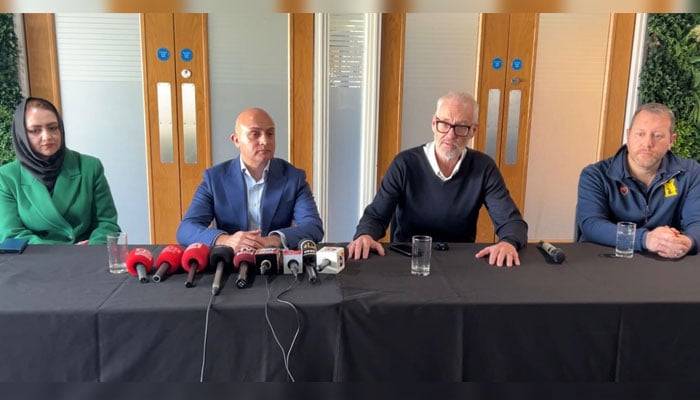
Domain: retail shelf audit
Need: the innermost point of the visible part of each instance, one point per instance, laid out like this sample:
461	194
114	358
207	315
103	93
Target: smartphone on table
401	248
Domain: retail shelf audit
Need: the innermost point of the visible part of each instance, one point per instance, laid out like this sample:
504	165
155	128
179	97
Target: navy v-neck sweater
447	211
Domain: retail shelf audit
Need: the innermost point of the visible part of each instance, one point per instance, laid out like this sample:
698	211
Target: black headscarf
44	170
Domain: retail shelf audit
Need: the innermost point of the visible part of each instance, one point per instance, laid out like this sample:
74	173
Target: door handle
189	122
165	122
492	113
513	131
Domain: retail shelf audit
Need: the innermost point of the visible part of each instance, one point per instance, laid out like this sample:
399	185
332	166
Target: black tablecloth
64	317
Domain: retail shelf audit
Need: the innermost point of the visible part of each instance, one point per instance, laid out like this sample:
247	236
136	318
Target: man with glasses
437	189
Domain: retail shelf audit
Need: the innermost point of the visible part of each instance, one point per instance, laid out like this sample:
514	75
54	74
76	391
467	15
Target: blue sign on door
186	54
163	54
517	64
497	63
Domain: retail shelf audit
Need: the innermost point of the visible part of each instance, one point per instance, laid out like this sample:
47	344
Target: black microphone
553	253
311	272
267	259
221	256
308	255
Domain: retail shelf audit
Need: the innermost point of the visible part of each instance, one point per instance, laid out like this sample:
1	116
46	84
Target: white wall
441	55
99	62
566	118
248	66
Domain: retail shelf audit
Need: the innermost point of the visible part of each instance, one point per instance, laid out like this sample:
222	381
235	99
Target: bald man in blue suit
255	200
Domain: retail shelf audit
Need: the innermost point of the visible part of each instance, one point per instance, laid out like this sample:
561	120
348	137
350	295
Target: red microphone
168	261
139	262
243	261
194	259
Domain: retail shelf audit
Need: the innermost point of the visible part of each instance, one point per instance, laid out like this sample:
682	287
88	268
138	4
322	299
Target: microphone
311	272
221	256
194	259
553	253
267	260
243	260
292	261
139	262
308	255
168	261
330	260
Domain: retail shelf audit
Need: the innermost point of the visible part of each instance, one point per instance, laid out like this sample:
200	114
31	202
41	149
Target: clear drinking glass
420	255
624	242
117	251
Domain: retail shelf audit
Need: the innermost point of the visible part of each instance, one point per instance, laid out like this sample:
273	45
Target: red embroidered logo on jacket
624	190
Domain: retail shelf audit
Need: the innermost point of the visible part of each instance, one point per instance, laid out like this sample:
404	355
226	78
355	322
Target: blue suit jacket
288	205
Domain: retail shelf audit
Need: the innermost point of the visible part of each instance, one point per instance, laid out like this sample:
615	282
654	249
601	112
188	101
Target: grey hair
658	109
459	97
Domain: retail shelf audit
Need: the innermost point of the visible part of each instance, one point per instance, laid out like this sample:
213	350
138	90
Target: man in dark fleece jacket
644	183
437	190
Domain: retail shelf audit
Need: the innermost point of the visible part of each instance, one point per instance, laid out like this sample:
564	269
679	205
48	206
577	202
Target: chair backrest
577	229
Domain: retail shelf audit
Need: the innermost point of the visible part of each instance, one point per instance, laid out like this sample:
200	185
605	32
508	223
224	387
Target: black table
63	317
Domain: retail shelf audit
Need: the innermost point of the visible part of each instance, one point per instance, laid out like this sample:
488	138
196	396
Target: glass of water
117	252
624	243
420	255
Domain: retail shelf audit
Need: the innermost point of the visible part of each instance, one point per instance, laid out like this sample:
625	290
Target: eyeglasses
460	130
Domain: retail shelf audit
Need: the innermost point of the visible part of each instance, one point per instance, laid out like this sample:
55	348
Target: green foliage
7	154
671	75
688	141
10	94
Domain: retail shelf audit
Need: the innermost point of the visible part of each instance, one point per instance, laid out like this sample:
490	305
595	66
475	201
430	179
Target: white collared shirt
254	192
429	150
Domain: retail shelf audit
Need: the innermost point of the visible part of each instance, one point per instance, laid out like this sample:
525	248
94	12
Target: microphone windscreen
221	253
139	256
555	254
246	255
171	254
198	253
558	256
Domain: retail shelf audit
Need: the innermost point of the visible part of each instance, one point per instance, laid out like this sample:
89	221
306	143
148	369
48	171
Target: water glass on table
421	247
624	241
117	252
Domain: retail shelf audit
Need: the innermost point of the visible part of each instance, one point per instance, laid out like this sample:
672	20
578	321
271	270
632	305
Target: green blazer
81	207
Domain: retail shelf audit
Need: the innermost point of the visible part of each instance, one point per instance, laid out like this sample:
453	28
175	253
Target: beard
646	161
450	153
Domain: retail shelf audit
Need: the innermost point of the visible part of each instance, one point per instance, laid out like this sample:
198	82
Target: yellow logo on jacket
670	188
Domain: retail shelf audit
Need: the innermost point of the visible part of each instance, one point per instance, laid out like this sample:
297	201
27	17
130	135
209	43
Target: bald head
253	117
254	136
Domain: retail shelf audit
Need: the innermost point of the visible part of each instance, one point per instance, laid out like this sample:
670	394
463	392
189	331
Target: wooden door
176	91
506	71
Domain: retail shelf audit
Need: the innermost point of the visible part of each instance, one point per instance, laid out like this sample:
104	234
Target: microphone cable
285	354
204	346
